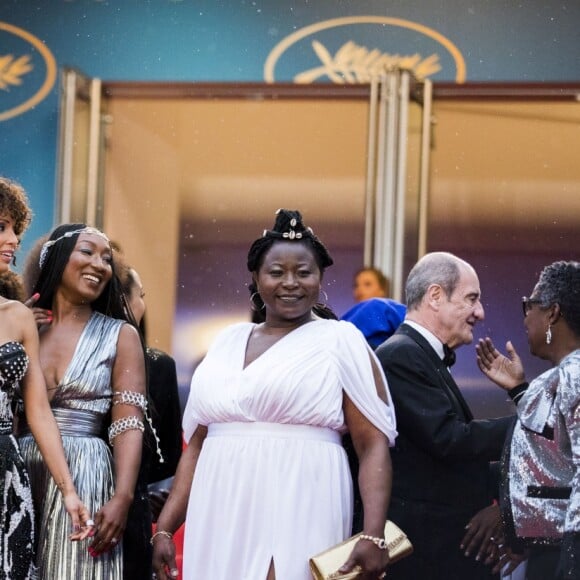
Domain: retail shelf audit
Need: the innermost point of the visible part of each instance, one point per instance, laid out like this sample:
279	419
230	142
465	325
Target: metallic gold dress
81	406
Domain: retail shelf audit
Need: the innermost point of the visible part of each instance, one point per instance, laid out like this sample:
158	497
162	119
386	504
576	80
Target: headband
86	230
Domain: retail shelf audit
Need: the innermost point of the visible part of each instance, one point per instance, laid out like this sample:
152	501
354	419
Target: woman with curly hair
20	369
540	497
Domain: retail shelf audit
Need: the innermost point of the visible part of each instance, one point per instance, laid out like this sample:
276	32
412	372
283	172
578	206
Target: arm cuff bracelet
124	424
130	398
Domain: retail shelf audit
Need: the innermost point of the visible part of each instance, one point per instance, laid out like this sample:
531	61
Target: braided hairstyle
288	226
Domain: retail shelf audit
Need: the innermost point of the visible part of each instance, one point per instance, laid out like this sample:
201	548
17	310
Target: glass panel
191	185
400	185
386	181
413	184
79	149
416	186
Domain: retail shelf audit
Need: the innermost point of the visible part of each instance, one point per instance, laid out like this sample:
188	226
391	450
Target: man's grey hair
440	268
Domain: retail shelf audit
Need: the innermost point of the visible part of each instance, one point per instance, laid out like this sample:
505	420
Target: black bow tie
448	356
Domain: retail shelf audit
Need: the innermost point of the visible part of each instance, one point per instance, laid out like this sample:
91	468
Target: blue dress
16	512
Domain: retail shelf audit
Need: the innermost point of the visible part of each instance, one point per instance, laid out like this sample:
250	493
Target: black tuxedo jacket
442	455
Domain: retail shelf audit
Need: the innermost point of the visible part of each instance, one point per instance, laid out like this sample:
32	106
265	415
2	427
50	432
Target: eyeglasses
527	304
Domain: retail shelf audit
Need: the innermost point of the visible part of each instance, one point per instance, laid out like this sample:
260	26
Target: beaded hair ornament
288	226
47	245
291	234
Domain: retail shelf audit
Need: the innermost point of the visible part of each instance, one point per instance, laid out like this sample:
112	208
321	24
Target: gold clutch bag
324	566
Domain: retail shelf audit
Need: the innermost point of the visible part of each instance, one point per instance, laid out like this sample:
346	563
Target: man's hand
482	529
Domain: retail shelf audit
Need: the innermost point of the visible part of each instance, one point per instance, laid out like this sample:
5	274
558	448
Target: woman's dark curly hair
288	226
14	203
559	283
12	287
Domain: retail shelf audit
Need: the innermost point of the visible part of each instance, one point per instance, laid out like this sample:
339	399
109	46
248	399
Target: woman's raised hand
41	315
505	371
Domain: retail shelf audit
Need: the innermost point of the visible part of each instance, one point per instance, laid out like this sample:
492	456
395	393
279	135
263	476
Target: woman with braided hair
264	479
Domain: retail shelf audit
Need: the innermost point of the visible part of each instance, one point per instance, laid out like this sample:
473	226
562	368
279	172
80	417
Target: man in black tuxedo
441	460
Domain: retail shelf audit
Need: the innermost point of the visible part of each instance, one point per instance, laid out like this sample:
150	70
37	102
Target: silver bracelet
130	398
124	424
168	535
378	542
140	401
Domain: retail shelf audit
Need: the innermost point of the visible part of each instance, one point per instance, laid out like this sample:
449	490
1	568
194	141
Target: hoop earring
549	334
325	297
253	304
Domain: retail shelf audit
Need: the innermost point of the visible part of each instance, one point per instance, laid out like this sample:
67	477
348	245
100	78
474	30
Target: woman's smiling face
288	282
8	242
89	267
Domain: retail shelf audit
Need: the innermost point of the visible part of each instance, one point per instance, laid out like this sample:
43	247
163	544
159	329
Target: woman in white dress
264	480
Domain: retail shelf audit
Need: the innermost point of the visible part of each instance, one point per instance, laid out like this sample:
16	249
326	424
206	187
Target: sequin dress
542	483
16	515
81	406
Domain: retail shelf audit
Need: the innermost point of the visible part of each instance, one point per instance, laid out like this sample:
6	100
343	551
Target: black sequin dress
16	515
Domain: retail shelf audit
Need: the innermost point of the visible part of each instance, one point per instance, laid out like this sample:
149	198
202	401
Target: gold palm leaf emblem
12	70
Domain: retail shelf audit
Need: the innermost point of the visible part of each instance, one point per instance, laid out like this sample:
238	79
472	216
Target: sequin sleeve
569	382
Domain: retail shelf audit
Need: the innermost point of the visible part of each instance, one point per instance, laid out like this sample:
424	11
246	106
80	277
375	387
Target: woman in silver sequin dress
19	366
93	365
541	464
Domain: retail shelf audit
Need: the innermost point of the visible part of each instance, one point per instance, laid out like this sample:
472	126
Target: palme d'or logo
13	69
354	63
18	77
357	64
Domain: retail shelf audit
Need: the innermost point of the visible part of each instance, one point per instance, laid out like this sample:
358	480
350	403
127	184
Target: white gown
272	481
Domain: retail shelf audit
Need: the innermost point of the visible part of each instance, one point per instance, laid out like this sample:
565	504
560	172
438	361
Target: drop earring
549	334
253	304
325	297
